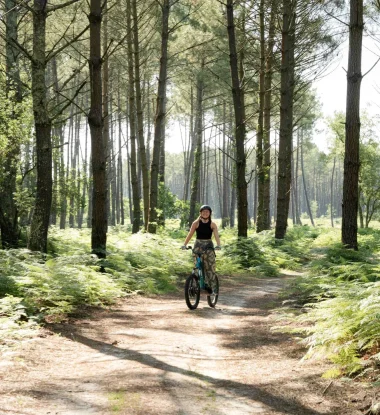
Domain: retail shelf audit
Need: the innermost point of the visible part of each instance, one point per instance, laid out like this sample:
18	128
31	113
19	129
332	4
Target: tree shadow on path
251	392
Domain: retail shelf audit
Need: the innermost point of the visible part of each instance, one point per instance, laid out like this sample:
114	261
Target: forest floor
151	355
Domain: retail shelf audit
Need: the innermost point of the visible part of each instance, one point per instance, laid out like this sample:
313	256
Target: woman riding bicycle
204	228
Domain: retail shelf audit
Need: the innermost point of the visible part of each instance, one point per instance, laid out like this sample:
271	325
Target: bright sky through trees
332	87
331	90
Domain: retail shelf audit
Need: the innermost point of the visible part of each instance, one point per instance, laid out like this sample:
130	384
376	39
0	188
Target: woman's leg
209	265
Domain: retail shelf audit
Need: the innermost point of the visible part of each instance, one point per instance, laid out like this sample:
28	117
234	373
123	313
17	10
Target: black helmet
205	207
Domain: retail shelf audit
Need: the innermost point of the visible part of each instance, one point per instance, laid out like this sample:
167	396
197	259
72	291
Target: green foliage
262	254
341	293
183	207
167	202
50	288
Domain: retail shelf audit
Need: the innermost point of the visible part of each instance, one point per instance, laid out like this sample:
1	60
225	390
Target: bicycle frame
199	266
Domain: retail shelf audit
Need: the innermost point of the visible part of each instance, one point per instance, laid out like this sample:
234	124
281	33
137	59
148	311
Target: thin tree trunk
225	215
332	195
296	193
351	156
159	123
112	166
132	127
140	118
192	142
305	186
240	131
198	151
267	116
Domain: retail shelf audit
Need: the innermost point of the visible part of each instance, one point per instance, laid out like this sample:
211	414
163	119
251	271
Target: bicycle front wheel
192	292
212	298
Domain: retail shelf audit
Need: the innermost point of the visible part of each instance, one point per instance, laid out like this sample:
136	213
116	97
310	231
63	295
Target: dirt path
154	356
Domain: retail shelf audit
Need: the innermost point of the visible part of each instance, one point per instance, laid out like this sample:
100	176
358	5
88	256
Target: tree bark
260	125
267	116
240	129
286	118
132	127
195	182
98	144
225	215
140	118
351	155
41	214
192	143
159	123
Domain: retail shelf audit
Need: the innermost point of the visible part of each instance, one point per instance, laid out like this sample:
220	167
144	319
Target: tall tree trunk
351	155
159	122
106	111
195	181
73	170
192	143
41	214
161	216
260	125
296	193
240	131
132	127
140	118
119	187
112	167
267	116
225	215
98	144
286	118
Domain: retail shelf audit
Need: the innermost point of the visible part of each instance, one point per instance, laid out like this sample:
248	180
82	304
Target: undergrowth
34	289
340	296
338	293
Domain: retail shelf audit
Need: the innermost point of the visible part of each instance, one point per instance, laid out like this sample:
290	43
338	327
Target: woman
204	228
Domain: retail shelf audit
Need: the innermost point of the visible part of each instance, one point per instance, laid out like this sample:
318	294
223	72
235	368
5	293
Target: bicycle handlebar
200	253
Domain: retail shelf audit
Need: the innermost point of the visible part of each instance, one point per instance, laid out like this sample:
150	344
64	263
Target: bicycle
196	282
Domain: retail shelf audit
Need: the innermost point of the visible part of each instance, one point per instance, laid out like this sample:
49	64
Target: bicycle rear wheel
212	299
192	292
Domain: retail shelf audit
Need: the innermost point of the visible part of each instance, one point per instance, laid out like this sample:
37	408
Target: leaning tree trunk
240	132
351	155
98	145
286	119
159	123
42	205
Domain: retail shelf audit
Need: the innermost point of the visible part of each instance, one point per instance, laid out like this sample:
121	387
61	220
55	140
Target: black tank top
204	230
